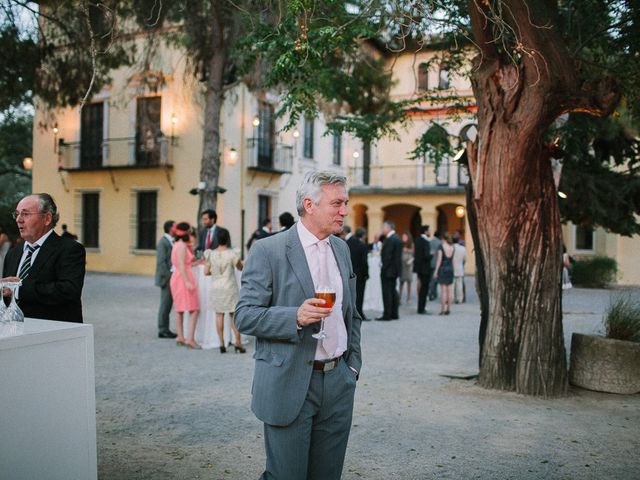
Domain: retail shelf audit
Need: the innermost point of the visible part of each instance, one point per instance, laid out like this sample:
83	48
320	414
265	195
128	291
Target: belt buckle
330	365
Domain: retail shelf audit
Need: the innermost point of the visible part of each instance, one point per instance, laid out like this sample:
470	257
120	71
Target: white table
47	401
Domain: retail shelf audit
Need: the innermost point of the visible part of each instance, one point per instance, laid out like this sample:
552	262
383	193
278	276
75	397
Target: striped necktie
26	266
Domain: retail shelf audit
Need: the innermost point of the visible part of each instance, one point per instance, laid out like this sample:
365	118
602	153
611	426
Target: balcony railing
265	156
414	175
115	153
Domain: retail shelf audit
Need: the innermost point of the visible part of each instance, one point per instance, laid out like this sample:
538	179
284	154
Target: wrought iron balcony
414	175
127	152
266	156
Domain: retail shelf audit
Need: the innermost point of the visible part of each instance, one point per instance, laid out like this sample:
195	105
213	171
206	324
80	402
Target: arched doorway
451	218
359	217
406	217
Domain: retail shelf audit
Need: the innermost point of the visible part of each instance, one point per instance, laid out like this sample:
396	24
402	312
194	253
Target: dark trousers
433	287
360	283
390	299
425	279
166	302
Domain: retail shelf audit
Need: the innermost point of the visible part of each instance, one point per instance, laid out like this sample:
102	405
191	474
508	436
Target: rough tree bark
224	33
519	93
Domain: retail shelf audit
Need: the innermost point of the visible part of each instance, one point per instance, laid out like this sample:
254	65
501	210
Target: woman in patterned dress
221	264
184	289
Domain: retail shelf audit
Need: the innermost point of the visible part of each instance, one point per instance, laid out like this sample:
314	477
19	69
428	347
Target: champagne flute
328	294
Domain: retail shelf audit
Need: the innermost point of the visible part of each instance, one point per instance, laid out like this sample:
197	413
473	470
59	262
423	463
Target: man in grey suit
163	275
303	387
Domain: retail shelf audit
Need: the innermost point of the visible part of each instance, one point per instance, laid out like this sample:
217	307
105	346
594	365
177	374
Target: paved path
165	412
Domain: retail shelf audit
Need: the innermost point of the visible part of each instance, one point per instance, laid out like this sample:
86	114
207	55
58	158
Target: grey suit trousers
166	302
313	447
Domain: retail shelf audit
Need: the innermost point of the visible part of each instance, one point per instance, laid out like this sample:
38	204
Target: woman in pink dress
183	285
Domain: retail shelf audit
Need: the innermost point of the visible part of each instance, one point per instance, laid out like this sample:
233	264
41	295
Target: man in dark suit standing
163	275
51	267
422	267
391	256
207	235
359	260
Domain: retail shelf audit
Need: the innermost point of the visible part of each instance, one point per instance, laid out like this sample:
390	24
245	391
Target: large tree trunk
521	247
210	165
519	92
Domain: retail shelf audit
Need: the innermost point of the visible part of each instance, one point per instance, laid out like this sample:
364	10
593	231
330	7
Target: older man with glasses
51	267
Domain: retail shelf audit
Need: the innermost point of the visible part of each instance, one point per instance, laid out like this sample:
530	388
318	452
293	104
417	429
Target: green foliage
19	59
15	181
56	51
594	272
435	144
622	318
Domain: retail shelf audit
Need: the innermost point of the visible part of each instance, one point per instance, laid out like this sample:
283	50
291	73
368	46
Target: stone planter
604	364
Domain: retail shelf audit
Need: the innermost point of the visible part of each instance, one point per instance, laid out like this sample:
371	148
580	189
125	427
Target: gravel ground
165	412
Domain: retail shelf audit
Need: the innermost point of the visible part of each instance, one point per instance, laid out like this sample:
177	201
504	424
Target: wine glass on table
3	307
328	294
13	312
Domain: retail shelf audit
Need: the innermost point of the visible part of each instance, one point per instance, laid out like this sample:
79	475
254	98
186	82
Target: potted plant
610	363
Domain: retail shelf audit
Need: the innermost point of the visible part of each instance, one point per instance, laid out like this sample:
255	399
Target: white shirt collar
306	237
392	232
41	240
168	237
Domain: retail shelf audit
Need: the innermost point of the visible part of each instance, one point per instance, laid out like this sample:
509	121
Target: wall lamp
232	156
55	138
27	163
202	186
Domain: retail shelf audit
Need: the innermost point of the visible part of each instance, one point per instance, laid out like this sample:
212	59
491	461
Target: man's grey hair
391	225
311	187
48	205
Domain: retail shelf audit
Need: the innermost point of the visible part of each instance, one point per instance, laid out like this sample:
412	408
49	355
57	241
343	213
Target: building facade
130	159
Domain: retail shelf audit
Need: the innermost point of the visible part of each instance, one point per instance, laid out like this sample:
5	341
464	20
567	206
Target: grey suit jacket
163	262
275	281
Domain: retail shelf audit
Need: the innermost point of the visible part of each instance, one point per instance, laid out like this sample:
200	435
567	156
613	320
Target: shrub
594	272
622	318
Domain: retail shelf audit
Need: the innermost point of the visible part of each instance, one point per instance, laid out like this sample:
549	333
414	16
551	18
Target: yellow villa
131	159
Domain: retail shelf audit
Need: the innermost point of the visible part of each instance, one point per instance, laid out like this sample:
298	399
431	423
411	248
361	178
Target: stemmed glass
13	312
3	307
328	294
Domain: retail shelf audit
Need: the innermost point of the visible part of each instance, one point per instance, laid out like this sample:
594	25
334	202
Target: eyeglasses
25	215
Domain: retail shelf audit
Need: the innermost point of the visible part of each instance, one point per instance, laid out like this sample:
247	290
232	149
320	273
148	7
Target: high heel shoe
239	349
447	312
223	349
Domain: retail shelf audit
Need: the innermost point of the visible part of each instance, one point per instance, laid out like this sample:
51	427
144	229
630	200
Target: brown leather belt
326	366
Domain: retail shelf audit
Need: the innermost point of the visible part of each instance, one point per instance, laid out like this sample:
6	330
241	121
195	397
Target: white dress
224	291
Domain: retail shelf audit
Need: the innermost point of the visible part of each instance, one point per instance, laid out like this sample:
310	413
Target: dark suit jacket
163	262
422	256
359	261
53	289
202	238
391	256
